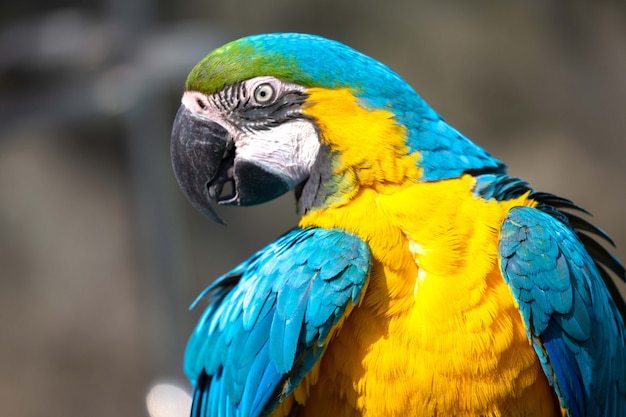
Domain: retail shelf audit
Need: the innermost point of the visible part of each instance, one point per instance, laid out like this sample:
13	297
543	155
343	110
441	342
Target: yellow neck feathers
367	144
438	331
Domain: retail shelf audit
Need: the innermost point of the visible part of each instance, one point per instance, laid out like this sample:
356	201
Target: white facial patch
199	104
290	148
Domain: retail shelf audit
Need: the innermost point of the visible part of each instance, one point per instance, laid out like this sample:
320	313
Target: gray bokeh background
101	255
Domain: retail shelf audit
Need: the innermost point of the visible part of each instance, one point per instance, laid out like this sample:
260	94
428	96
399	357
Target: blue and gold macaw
421	280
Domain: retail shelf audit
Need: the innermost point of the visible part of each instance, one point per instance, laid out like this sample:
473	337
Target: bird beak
204	158
200	150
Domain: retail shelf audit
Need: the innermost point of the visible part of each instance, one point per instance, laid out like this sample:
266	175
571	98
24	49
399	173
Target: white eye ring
264	93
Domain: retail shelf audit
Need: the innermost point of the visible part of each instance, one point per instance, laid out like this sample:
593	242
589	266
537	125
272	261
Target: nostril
201	103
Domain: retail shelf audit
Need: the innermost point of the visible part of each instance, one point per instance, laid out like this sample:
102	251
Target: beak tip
209	211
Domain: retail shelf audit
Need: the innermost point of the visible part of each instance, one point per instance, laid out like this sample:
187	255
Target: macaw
421	280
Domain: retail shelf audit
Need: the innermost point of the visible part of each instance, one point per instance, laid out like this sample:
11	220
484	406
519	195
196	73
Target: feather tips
266	321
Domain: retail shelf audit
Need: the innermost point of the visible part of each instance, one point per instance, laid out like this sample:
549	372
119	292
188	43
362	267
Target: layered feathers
412	236
270	319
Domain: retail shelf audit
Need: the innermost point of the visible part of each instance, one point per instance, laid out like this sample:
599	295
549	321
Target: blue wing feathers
564	370
266	384
284	334
268	319
577	322
574	324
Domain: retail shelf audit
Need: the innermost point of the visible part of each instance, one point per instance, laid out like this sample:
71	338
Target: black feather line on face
236	106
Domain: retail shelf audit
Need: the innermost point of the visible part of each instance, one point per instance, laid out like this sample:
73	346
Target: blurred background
100	254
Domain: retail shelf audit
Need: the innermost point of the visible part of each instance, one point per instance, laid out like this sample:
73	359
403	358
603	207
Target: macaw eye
264	93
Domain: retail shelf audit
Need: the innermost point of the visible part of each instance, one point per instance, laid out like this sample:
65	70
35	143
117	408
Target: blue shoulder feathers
571	319
269	319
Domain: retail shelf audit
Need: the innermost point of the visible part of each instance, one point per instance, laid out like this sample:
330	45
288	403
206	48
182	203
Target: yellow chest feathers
438	332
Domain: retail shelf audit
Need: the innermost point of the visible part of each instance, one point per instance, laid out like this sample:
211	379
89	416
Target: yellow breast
438	332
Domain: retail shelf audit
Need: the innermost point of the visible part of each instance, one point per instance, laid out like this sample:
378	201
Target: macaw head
268	114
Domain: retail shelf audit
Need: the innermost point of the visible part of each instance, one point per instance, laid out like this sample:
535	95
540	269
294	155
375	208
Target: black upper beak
203	157
197	149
